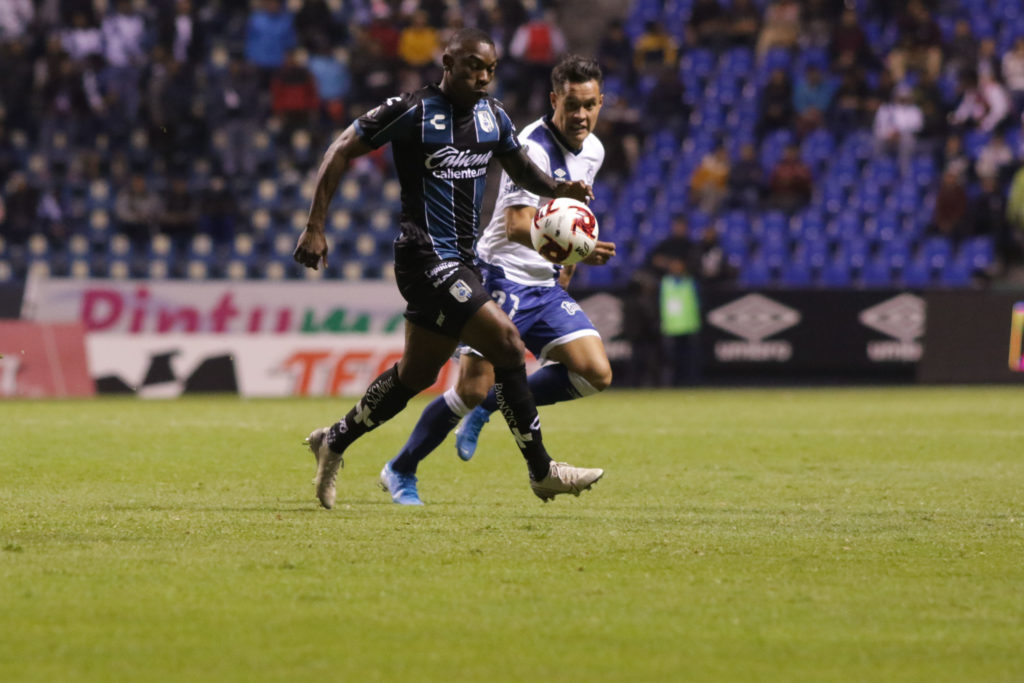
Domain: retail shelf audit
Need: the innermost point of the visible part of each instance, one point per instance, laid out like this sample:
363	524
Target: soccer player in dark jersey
442	138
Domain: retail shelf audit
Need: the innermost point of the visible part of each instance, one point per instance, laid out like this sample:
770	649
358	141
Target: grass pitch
770	535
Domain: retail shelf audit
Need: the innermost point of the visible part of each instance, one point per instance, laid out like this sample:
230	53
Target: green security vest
680	310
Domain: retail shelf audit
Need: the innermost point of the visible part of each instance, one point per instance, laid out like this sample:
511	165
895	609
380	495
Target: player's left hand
311	250
575	189
603	251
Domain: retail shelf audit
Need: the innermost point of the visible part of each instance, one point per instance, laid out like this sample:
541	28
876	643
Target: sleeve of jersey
507	141
390	121
512	194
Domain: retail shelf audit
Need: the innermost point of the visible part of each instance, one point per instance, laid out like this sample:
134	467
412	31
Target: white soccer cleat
564	478
327	464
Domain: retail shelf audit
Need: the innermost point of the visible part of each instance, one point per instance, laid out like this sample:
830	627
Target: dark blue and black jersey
441	154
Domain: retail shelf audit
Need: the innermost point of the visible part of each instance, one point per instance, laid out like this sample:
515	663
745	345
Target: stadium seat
876	273
755	273
917	274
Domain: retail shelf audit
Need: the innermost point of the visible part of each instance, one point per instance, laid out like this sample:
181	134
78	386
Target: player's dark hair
575	69
467	35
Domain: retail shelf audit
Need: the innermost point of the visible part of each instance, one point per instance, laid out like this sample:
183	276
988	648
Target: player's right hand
575	189
602	252
311	249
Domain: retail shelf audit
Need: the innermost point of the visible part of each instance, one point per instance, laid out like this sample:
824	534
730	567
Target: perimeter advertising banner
861	333
974	337
43	361
216	307
165	366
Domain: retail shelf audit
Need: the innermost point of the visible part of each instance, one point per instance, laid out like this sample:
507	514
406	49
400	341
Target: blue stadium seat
917	274
876	273
755	273
835	274
957	274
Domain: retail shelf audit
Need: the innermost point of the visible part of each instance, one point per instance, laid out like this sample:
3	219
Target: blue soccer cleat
402	487
468	432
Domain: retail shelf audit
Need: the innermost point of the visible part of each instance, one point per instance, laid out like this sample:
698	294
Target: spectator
82	39
987	215
708	183
293	95
849	45
137	210
743	23
16	17
706	27
373	76
180	33
776	103
790	183
988	61
819	19
269	36
22	208
961	53
654	50
954	157
680	310
950	208
332	82
850	101
180	217
615	53
995	159
382	30
218	211
666	108
418	45
233	105
621	123
984	104
1013	247
897	125
123	33
708	262
812	99
18	79
746	180
315	25
920	43
169	102
781	27
1013	74
536	45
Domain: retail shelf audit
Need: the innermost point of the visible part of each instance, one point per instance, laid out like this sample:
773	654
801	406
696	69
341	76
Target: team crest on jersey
461	291
571	307
486	120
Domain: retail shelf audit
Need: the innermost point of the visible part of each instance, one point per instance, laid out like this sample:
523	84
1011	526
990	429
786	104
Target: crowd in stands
165	118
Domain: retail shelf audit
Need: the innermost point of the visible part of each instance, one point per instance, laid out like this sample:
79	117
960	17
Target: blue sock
431	429
548	385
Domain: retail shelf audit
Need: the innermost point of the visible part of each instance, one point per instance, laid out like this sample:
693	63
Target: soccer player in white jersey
528	288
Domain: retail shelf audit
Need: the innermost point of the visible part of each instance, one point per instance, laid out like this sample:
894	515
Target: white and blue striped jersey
550	151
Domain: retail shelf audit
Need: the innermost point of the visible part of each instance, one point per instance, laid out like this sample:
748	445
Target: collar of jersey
436	88
549	123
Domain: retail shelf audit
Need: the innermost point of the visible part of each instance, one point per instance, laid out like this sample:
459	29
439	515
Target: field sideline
738	535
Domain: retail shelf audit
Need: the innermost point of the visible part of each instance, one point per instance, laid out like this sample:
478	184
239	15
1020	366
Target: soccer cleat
327	464
468	432
402	487
564	478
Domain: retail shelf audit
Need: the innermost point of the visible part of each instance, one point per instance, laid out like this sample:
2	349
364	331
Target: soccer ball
564	231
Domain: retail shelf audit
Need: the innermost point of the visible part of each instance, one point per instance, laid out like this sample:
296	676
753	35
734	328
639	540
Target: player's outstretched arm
311	249
527	175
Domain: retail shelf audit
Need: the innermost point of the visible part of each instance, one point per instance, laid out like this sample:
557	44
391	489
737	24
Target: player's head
469	62
576	97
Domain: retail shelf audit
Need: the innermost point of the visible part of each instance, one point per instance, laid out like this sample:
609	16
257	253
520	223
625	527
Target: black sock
515	403
384	398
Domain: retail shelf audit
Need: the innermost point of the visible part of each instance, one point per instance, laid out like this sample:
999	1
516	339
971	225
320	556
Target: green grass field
754	535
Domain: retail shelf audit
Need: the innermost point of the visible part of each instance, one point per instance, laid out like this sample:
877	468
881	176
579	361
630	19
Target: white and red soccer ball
564	231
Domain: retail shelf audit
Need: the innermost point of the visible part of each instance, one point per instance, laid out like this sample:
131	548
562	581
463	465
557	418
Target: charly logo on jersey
449	163
486	120
754	317
902	318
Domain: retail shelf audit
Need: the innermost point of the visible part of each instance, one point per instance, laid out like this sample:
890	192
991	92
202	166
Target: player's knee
508	350
416	378
473	390
598	376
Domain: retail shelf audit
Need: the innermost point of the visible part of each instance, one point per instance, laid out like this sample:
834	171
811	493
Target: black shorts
440	295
